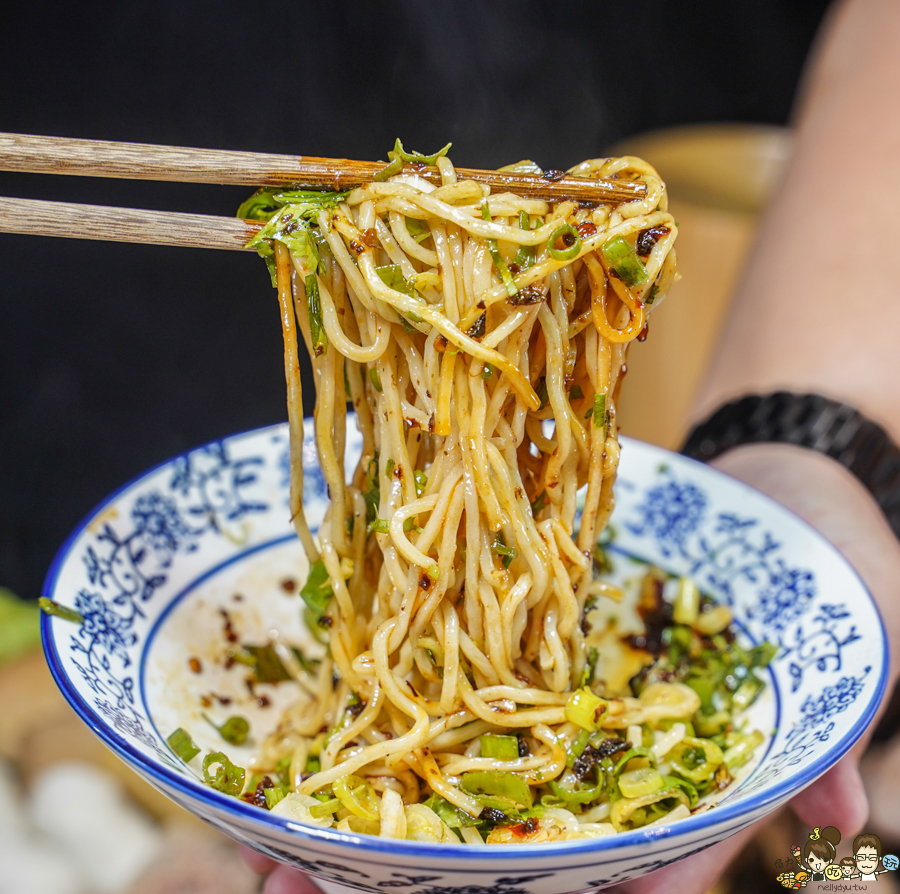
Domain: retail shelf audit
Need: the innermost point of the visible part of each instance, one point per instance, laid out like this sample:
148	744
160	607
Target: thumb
837	799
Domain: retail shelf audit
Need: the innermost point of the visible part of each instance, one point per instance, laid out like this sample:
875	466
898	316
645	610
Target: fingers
837	799
695	875
285	880
257	862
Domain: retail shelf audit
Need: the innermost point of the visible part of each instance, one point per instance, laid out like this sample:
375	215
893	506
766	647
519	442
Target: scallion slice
183	745
624	260
228	778
572	248
503	748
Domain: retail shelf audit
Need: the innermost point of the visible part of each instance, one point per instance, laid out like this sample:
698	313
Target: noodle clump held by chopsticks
480	339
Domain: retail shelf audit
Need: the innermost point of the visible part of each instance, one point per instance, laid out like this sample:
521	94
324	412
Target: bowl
204	543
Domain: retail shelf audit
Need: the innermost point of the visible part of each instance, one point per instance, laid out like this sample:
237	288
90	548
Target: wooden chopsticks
141	161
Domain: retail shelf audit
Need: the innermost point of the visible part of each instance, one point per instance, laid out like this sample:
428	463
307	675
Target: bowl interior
203	544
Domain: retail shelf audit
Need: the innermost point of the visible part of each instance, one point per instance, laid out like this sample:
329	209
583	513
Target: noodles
481	341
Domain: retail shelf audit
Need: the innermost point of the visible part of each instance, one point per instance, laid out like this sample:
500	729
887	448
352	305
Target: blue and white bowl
153	569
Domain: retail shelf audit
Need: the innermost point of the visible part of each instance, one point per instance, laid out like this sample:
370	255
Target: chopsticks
142	161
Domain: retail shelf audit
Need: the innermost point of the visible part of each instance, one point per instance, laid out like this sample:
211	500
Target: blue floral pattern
206	494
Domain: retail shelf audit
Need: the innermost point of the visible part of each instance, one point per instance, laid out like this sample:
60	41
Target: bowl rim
717	816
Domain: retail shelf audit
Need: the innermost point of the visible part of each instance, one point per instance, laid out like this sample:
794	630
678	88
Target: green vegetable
572	248
388	468
590	666
747	692
372	495
418	229
540	501
640	782
291	221
599	411
568	797
525	255
450	814
498	789
314	307
357	796
317	591
685	786
508	552
375	379
695	759
624	261
49	607
576	393
488	371
398	156
504	748
20	630
585	709
740	747
421	480
687	603
234	730
266	664
632	753
576	749
499	263
392	276
274	794
326	807
183	745
632	813
228	777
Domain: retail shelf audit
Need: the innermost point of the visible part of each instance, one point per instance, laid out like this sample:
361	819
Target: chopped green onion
525	255
687	603
274	794
578	795
388	468
585	709
540	501
624	261
504	748
326	807
452	816
640	752
313	764
640	782
685	786
417	229
488	371
740	748
599	411
572	248
631	813
590	666
183	745
266	664
314	306
576	393
357	796
508	552
234	730
499	263
421	480
417	157
392	276
494	787
395	166
379	526
317	592
49	607
228	777
695	759
576	749
375	379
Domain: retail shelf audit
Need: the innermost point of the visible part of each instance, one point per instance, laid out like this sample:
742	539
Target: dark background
114	357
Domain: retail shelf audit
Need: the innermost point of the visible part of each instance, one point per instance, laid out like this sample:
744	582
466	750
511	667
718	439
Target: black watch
812	421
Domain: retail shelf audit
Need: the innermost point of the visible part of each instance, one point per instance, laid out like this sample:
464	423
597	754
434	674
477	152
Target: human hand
834	502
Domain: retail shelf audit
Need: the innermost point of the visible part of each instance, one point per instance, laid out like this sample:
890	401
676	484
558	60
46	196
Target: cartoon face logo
867	859
833	872
816	863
